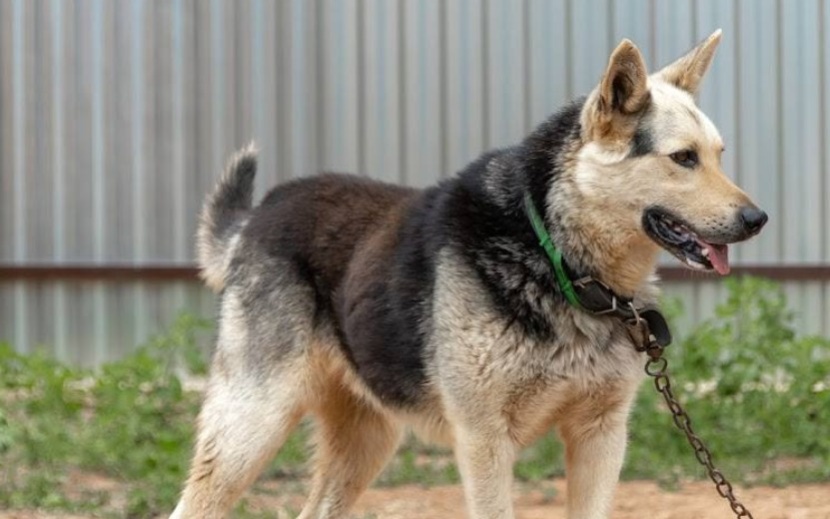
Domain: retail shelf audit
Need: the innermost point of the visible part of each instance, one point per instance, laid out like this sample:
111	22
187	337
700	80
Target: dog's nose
753	218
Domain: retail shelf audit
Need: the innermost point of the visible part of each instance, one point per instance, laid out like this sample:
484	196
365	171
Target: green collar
554	254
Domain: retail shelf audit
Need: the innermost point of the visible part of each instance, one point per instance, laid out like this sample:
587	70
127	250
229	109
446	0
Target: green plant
755	390
130	420
421	464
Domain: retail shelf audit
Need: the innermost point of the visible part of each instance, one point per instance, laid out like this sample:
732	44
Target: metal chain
657	368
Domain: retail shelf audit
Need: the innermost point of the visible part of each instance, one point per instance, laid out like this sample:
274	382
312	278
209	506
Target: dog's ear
687	72
623	88
613	108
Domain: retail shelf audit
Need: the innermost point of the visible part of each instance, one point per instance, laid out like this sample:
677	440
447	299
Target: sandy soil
635	500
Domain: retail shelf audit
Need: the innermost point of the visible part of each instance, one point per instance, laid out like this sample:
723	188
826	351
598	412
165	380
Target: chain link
657	367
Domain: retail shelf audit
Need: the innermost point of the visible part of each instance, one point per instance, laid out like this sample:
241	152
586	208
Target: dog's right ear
687	72
622	93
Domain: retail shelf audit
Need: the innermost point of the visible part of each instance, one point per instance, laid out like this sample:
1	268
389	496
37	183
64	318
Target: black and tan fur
377	308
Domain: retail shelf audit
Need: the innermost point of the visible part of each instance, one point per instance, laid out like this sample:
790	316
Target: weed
420	464
131	421
756	392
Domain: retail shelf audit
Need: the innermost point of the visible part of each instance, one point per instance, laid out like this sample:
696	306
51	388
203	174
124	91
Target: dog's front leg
485	459
593	466
594	434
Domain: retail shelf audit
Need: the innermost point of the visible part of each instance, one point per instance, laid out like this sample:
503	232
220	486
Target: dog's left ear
687	72
623	88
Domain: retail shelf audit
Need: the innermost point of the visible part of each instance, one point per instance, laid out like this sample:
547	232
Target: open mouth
677	237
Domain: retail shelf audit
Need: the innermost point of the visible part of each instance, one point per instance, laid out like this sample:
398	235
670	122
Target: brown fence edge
111	273
160	273
774	272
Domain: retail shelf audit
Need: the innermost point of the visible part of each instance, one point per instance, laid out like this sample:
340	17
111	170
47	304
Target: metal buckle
638	324
635	319
609	310
581	282
647	341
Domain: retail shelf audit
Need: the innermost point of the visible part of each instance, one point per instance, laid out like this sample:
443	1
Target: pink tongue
719	256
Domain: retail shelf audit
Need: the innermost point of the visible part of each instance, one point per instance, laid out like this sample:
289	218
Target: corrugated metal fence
116	116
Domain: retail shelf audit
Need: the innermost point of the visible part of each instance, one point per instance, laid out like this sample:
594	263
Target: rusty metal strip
774	272
167	272
88	272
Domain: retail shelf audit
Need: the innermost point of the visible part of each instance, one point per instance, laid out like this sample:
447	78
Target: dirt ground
634	500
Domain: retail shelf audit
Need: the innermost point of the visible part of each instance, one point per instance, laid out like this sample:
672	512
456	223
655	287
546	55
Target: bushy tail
224	210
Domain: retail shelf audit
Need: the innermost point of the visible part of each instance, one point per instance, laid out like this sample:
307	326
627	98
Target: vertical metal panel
686	295
80	212
39	183
589	43
632	20
465	84
547	50
718	96
506	75
824	52
340	86
674	31
801	129
264	91
421	95
7	177
757	105
137	30
381	106
21	27
218	66
119	335
700	297
159	188
116	117
706	297
183	141
120	141
18	110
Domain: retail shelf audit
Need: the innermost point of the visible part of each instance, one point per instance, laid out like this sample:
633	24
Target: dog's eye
686	158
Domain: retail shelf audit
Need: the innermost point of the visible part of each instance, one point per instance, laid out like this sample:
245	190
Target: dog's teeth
704	252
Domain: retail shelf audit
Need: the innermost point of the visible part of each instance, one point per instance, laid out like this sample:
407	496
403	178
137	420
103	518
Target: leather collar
591	295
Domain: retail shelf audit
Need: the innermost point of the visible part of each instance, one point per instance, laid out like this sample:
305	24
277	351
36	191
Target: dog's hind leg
354	441
257	393
240	429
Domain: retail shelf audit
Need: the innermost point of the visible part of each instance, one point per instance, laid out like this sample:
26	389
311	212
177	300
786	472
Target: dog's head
651	160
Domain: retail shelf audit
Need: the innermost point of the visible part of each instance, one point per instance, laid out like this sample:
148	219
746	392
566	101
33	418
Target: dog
377	308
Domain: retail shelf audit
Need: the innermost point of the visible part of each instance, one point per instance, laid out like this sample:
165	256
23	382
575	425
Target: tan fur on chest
572	407
590	366
469	334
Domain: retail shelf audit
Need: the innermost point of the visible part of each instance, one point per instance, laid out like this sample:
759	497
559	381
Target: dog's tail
222	216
